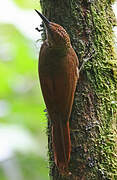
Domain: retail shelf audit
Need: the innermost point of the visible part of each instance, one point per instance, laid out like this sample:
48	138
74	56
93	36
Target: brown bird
58	74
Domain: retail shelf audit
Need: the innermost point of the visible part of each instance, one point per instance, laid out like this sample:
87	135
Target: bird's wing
58	90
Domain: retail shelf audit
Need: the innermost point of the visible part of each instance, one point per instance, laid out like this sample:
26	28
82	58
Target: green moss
94	112
104	70
101	71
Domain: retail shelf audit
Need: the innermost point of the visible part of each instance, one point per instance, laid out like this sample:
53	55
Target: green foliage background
19	87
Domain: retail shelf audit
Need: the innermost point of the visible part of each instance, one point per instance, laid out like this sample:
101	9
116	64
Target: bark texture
93	120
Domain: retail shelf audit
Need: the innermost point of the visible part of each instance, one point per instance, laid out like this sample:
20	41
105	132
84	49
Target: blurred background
23	140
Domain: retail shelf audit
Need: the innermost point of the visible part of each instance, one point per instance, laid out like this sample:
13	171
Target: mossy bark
93	120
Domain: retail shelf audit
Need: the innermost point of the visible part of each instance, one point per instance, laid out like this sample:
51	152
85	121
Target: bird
58	75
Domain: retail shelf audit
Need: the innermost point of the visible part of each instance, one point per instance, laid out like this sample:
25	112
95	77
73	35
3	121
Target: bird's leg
85	59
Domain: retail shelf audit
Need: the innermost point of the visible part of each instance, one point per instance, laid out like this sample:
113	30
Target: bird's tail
61	144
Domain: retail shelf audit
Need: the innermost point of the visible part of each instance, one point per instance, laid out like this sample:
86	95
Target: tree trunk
92	124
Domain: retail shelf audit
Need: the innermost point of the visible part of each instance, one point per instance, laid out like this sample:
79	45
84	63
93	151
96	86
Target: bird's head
56	34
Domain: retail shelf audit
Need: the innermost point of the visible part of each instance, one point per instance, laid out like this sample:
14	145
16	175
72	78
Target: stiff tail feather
61	144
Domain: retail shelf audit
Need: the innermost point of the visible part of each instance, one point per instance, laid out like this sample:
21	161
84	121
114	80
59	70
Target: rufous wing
58	88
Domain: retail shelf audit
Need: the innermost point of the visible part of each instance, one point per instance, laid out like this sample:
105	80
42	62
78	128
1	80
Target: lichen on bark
92	124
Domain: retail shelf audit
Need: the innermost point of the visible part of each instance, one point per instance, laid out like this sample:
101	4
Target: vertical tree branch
94	114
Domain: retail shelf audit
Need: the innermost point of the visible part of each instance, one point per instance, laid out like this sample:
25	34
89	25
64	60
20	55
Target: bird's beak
45	20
